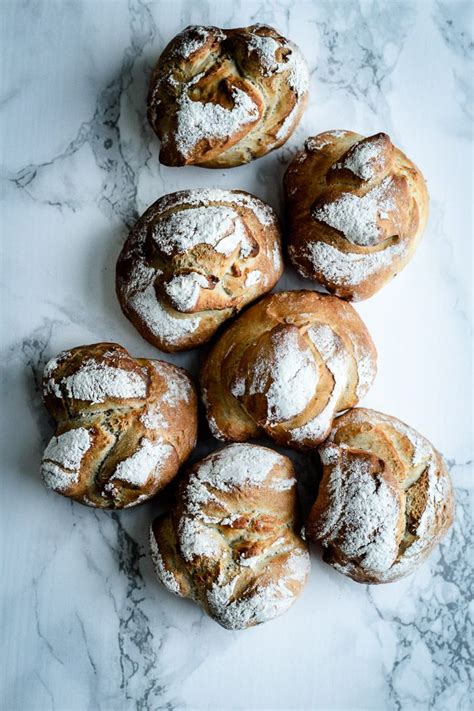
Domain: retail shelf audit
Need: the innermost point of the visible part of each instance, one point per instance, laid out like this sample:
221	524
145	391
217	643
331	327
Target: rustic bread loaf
286	367
356	210
123	425
385	498
219	98
194	259
230	542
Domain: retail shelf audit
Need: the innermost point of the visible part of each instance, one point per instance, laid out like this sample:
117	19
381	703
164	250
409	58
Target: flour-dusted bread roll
123	425
356	209
385	498
286	367
195	258
230	543
219	98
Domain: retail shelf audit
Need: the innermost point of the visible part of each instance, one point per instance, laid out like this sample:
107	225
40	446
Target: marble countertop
85	625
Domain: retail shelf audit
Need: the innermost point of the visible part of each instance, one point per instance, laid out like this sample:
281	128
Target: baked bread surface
195	258
285	368
123	425
219	98
385	498
356	209
230	541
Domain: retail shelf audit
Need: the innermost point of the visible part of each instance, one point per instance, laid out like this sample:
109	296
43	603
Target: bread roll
123	425
219	98
385	498
285	368
195	258
230	541
356	210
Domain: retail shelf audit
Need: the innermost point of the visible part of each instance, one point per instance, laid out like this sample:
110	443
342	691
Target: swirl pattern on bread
219	98
123	425
285	368
356	210
195	258
230	541
385	498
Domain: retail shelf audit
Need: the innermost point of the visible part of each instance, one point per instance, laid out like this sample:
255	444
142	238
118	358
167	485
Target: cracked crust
230	541
285	368
356	210
194	259
123	425
385	498
251	73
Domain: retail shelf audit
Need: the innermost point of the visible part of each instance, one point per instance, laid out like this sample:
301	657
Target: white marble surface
85	626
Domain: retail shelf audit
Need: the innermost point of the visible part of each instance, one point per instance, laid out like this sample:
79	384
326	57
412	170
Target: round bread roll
123	425
385	498
356	208
219	98
195	258
285	368
230	542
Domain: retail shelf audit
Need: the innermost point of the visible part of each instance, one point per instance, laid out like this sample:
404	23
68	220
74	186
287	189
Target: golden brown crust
195	258
385	498
285	368
230	541
356	210
219	98
123	425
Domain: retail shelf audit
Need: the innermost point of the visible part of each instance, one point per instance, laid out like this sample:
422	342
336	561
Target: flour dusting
145	462
362	514
197	121
349	268
357	216
96	382
219	226
183	290
292	373
364	159
165	576
333	354
62	458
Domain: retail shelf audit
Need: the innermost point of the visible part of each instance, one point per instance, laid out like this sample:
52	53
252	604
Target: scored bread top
285	368
219	98
123	425
195	258
230	542
385	498
356	210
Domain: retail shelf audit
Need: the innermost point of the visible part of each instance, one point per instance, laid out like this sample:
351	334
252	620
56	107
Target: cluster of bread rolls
292	367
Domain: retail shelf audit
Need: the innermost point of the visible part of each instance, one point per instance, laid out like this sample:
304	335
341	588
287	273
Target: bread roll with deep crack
285	368
123	425
356	210
194	259
220	98
385	499
230	542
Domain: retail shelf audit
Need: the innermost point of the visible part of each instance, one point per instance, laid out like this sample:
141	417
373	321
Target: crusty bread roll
195	258
219	98
230	542
286	367
123	425
356	211
385	498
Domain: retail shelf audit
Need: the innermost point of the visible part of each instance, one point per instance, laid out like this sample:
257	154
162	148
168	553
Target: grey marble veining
84	624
